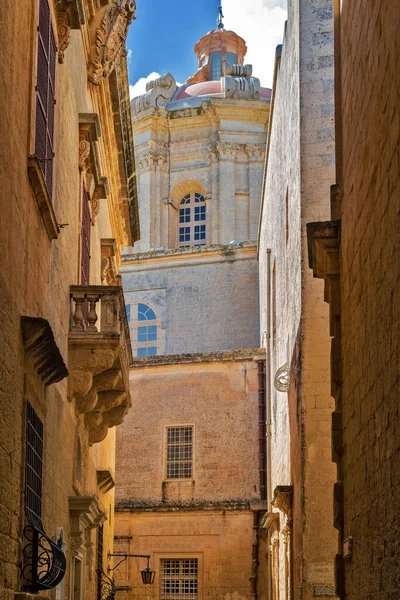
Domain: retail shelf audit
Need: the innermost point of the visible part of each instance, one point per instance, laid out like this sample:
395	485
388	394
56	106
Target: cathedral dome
210	88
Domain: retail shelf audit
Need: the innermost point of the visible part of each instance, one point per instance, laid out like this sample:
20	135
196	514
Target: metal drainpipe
268	412
262	477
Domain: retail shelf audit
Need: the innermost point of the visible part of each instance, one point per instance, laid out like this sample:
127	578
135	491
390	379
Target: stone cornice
207	506
159	259
200	357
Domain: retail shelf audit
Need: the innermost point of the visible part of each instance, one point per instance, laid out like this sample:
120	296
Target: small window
179	452
192	221
145	329
216	64
231	58
179	579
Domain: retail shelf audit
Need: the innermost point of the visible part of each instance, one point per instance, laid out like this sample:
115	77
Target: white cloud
139	87
260	23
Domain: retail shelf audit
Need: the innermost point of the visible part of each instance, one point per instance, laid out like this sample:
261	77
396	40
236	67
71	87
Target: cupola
217	47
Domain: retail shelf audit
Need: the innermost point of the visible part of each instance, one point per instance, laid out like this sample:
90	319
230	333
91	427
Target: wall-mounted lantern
148	575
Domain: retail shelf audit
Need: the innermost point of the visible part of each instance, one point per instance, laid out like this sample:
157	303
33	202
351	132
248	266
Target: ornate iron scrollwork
106	586
43	561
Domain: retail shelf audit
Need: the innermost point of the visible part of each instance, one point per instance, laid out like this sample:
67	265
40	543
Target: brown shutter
86	223
45	93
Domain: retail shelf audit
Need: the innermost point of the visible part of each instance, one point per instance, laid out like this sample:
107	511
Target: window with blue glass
231	58
147	331
128	312
192	221
216	66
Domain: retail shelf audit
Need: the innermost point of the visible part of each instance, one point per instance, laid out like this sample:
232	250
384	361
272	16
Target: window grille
33	466
192	221
179	579
45	93
179	452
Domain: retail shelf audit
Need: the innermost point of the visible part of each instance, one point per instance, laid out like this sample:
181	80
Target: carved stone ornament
282	378
108	33
147	163
84	153
255	152
227	151
158	93
64	35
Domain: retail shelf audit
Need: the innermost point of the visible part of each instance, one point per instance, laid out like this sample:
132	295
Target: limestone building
355	249
68	207
191	456
299	533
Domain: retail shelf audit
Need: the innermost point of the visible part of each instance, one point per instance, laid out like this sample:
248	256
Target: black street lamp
148	575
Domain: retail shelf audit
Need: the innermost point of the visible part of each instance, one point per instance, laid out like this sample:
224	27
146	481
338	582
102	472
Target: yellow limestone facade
298	528
68	206
190	477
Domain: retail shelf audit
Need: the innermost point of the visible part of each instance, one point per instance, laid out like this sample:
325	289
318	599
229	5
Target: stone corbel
282	499
105	480
271	522
84	153
227	151
108	31
64	35
109	269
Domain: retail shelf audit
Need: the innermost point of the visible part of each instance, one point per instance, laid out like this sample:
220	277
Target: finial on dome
220	17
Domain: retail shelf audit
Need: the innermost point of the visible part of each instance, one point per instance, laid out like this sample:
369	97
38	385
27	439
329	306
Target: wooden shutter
86	223
45	93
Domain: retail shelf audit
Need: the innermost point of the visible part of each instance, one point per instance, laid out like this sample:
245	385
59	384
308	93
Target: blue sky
162	37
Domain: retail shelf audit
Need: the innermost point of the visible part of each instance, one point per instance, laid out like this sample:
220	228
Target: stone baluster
92	315
110	314
77	317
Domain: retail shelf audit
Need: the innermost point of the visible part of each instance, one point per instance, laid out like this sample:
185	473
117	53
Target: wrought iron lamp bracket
124	557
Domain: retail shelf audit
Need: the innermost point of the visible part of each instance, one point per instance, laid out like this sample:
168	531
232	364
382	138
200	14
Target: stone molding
157	158
271	522
41	194
39	342
282	499
84	514
105	480
255	152
109	269
108	32
227	151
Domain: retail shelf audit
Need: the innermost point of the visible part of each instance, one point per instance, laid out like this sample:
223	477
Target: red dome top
209	88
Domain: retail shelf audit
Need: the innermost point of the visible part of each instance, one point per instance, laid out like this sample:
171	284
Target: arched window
144	329
192	221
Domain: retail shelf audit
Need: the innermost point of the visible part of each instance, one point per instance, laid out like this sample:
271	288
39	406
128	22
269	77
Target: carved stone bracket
147	163
271	522
84	153
227	151
109	269
282	499
108	32
40	343
255	152
64	34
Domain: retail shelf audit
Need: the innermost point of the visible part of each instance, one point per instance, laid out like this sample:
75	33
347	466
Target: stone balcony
99	357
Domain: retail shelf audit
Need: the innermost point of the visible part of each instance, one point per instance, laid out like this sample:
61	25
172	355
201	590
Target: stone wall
206	299
37	269
209	516
370	270
300	170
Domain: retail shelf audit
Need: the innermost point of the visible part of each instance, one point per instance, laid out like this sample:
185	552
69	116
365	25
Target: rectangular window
231	58
216	63
45	93
179	452
179	579
199	213
200	232
147	334
33	466
147	351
